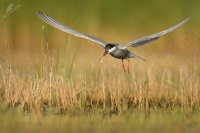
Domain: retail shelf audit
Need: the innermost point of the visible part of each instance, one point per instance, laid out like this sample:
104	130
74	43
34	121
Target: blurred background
115	21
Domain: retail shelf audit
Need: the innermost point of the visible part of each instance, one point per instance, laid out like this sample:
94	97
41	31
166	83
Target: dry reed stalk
182	90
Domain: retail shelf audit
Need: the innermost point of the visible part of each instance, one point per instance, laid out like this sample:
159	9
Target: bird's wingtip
39	12
189	18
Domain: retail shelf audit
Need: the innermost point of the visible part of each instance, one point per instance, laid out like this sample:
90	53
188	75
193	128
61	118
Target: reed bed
43	87
77	83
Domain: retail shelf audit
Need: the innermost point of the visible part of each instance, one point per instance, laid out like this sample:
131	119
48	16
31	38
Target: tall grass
49	90
76	83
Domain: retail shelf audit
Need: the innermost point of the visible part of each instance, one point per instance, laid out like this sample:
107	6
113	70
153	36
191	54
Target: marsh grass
73	92
81	86
58	89
68	90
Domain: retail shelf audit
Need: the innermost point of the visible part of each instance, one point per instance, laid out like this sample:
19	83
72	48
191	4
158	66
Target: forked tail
135	56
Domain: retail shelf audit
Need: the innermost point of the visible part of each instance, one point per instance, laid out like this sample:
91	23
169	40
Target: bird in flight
118	51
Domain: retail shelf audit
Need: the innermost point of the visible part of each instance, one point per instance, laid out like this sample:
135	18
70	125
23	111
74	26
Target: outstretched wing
147	39
49	20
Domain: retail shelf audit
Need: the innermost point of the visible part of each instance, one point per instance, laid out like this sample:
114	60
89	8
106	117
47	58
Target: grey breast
120	53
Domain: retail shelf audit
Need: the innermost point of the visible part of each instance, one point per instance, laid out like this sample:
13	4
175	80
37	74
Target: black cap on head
109	46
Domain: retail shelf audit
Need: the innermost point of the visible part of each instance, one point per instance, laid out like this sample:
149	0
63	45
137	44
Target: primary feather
49	20
147	39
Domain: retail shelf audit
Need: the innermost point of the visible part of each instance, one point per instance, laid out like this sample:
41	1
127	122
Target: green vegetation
52	82
135	122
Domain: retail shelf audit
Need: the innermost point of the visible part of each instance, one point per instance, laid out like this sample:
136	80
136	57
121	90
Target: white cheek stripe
112	49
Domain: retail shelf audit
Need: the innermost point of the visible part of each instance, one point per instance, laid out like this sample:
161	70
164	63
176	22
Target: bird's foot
123	67
128	69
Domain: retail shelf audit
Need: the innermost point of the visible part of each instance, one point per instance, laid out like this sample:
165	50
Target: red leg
128	66
123	66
